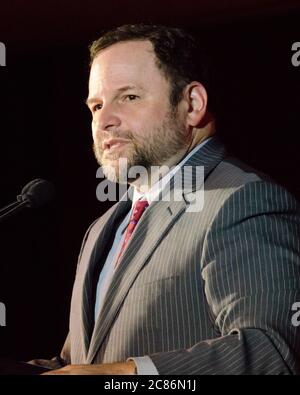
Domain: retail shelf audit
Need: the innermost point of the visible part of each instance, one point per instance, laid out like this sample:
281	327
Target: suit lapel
160	215
144	240
94	249
209	156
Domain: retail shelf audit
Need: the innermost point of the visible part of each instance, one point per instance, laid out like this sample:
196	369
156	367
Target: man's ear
195	97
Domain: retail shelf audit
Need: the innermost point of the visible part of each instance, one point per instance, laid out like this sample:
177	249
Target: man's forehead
125	62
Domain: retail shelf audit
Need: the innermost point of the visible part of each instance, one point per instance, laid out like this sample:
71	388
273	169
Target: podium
11	367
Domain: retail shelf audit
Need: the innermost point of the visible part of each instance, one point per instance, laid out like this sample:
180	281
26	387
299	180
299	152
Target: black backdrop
45	132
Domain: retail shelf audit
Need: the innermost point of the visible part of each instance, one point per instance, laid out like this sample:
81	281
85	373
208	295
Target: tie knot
138	209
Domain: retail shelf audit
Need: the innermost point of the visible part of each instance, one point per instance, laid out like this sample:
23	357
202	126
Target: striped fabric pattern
138	209
206	292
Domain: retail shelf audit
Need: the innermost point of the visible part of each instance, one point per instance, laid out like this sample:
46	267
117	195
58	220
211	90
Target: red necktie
138	209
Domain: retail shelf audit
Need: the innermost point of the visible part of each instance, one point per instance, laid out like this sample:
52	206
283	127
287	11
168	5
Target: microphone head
37	193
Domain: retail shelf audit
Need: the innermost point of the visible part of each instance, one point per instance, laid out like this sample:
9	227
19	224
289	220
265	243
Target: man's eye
131	97
97	107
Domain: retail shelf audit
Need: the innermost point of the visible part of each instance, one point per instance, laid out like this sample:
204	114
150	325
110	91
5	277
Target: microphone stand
12	208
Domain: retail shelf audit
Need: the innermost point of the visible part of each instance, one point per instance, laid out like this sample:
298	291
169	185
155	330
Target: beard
152	147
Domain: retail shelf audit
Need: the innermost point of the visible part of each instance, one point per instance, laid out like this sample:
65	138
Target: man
186	290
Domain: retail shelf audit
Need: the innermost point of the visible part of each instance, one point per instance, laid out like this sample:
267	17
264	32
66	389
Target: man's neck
144	184
157	172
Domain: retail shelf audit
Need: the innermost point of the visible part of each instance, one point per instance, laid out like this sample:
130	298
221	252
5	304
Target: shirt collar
155	190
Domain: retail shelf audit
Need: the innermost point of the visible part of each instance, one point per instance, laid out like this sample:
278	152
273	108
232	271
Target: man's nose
107	118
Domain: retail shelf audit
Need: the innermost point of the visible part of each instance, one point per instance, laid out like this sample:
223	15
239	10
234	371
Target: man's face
132	115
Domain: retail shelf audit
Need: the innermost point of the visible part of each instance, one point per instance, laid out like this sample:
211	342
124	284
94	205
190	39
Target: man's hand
118	368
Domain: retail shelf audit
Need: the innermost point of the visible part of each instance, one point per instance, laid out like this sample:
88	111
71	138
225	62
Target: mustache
116	134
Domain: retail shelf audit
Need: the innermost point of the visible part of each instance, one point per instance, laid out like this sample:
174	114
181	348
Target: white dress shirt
144	364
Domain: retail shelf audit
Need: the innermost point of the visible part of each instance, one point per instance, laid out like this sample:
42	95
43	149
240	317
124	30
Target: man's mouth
113	144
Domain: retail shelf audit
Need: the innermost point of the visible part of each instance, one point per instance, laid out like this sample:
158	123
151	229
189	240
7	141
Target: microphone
35	194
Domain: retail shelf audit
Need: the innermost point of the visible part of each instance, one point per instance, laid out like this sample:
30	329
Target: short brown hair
177	52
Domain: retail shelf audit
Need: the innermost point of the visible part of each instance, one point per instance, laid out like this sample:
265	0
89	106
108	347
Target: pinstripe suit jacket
206	292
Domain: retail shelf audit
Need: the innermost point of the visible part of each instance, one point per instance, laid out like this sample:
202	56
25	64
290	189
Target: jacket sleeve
251	269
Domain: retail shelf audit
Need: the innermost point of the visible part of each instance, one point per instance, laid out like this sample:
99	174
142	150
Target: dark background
45	131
